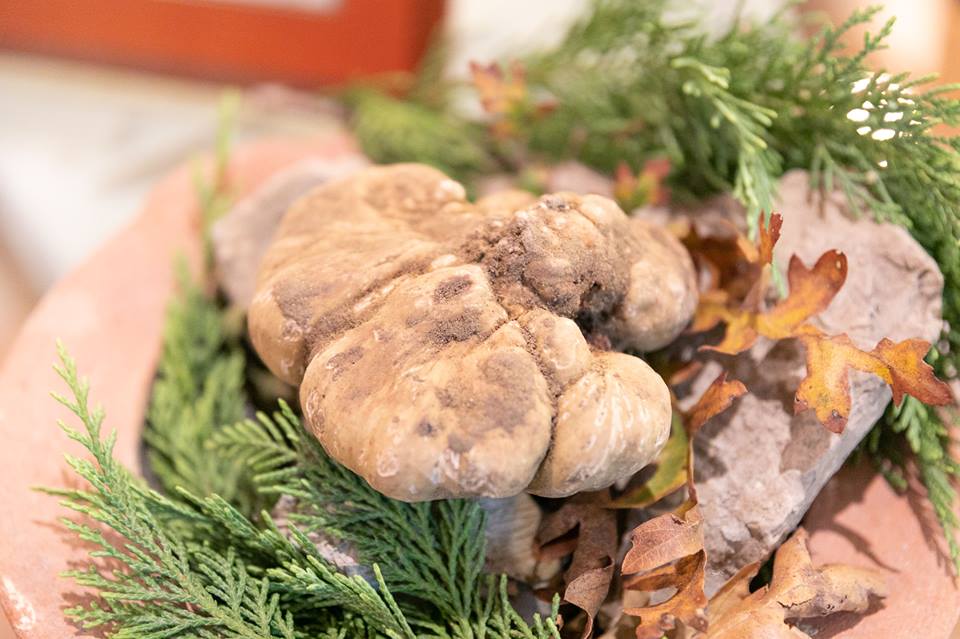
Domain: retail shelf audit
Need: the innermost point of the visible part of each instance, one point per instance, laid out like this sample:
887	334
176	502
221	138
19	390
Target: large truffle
443	348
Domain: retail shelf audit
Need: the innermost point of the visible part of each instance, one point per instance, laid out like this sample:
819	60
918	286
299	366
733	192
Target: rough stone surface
759	465
242	235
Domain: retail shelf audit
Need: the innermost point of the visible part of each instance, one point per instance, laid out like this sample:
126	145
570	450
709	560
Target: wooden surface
228	41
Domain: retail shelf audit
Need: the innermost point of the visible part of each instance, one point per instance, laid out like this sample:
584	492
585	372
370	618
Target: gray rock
759	465
338	552
242	235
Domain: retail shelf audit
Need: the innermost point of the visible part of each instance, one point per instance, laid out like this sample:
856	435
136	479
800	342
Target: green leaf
669	476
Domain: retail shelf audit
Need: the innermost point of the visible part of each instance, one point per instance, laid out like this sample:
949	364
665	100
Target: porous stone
759	465
242	235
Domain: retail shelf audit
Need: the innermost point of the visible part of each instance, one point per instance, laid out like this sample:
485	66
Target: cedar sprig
431	554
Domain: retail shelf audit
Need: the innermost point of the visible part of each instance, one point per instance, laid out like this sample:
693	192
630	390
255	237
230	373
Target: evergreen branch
199	387
391	130
157	585
431	554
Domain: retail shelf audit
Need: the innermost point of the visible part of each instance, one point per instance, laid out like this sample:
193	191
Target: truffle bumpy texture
449	349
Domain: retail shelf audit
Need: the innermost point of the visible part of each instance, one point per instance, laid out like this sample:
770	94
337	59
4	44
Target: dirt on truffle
390	294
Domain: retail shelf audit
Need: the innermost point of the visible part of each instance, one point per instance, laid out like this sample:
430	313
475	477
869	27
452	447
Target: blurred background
99	98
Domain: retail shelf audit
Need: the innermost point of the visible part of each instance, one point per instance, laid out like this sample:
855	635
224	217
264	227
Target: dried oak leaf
588	530
811	291
825	389
796	591
667	551
717	398
733	265
442	348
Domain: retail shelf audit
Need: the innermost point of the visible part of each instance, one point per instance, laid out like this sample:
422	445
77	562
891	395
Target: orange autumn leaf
767	238
716	399
826	388
910	374
713	308
811	291
761	252
499	95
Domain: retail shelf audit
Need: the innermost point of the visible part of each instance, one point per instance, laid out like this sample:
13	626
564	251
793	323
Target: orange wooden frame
227	41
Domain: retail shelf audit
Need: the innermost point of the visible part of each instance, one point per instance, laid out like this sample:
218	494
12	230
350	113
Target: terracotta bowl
109	314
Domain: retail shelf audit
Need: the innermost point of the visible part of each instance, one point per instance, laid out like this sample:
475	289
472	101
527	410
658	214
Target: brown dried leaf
767	238
761	251
733	592
909	373
662	540
716	399
797	591
825	389
592	529
667	552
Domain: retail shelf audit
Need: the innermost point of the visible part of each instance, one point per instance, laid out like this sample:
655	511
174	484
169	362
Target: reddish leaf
499	95
767	238
910	374
633	191
760	253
